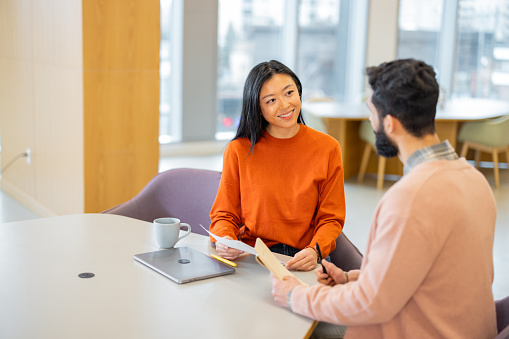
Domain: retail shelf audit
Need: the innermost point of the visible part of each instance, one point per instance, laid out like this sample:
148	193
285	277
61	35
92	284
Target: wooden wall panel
121	99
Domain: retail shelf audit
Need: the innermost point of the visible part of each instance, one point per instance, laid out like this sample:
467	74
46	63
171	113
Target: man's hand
304	260
228	252
334	275
280	288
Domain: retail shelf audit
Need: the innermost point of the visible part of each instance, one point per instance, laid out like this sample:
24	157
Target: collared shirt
441	151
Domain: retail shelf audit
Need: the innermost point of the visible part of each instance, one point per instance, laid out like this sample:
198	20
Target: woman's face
280	105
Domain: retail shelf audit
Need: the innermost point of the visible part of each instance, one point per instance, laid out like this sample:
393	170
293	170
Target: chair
346	256
502	307
184	193
188	194
489	136
368	136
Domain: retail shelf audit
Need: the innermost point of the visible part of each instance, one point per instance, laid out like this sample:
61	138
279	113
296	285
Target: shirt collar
440	151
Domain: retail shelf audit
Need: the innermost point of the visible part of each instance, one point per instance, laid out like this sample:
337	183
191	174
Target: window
309	36
312	37
467	41
248	34
318	48
166	127
481	69
419	25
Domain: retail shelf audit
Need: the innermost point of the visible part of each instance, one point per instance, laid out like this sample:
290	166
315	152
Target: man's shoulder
441	179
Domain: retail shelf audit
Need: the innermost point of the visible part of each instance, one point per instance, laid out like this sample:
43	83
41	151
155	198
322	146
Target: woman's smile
287	115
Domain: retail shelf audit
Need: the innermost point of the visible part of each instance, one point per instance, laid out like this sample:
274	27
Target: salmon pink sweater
287	191
428	267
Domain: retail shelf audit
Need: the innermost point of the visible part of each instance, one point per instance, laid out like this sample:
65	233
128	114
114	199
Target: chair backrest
183	193
346	256
492	132
502	307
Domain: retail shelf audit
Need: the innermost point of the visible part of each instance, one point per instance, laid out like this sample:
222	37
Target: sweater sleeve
225	214
331	209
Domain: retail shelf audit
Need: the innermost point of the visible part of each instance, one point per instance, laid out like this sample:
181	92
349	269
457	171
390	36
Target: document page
232	243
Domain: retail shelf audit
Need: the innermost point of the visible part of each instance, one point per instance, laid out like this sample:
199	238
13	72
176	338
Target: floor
361	200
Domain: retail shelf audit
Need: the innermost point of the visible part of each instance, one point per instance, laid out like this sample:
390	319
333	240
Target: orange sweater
287	191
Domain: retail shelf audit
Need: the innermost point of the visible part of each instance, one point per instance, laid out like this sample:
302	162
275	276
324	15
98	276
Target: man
428	268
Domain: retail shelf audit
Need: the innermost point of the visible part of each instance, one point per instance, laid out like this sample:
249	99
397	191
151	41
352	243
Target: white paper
232	243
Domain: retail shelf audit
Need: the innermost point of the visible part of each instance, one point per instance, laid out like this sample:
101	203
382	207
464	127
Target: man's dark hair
407	90
252	124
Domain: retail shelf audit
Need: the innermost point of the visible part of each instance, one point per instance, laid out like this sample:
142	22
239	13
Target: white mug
167	231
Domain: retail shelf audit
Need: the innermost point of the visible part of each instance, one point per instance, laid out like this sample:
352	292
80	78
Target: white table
342	122
41	295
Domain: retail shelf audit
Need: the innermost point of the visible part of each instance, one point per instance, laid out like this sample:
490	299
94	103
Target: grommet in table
184	261
86	275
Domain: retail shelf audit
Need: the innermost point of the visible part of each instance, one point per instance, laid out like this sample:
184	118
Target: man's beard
384	147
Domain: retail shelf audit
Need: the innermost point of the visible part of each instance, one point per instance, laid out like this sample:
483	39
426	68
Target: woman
282	181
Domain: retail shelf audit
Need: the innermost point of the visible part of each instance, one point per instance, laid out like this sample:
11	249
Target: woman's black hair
252	123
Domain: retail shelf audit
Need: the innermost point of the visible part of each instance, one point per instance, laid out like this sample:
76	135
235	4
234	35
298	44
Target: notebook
184	264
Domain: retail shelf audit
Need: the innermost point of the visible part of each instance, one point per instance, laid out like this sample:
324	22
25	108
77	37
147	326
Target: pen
320	258
223	260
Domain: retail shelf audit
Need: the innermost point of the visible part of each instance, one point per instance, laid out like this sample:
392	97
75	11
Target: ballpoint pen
223	260
320	258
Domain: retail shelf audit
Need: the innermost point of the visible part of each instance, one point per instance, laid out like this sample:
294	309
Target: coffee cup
167	231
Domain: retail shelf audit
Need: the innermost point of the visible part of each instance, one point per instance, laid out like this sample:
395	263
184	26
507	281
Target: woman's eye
289	93
271	100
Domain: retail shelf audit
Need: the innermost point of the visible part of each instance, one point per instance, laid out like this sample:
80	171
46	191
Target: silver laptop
184	264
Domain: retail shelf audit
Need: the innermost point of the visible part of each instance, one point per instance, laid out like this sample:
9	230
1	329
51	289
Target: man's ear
389	124
393	126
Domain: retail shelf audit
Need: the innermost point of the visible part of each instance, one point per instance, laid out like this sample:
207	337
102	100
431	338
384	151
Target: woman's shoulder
239	145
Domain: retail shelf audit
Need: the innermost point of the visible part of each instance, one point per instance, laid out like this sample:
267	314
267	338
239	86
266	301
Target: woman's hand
304	260
228	252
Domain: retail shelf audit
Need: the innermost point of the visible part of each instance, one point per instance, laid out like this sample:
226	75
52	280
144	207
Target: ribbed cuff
289	299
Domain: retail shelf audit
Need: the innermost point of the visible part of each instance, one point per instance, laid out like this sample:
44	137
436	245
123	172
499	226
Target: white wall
41	103
382	41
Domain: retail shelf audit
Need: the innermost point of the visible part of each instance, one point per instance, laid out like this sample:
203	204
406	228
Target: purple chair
188	194
502	307
183	193
346	255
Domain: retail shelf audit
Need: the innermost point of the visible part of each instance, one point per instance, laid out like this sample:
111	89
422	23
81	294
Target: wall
199	72
79	86
41	103
382	41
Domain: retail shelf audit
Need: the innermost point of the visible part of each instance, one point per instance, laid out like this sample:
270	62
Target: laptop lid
184	264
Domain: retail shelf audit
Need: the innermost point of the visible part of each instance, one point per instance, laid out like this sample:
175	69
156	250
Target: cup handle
188	231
